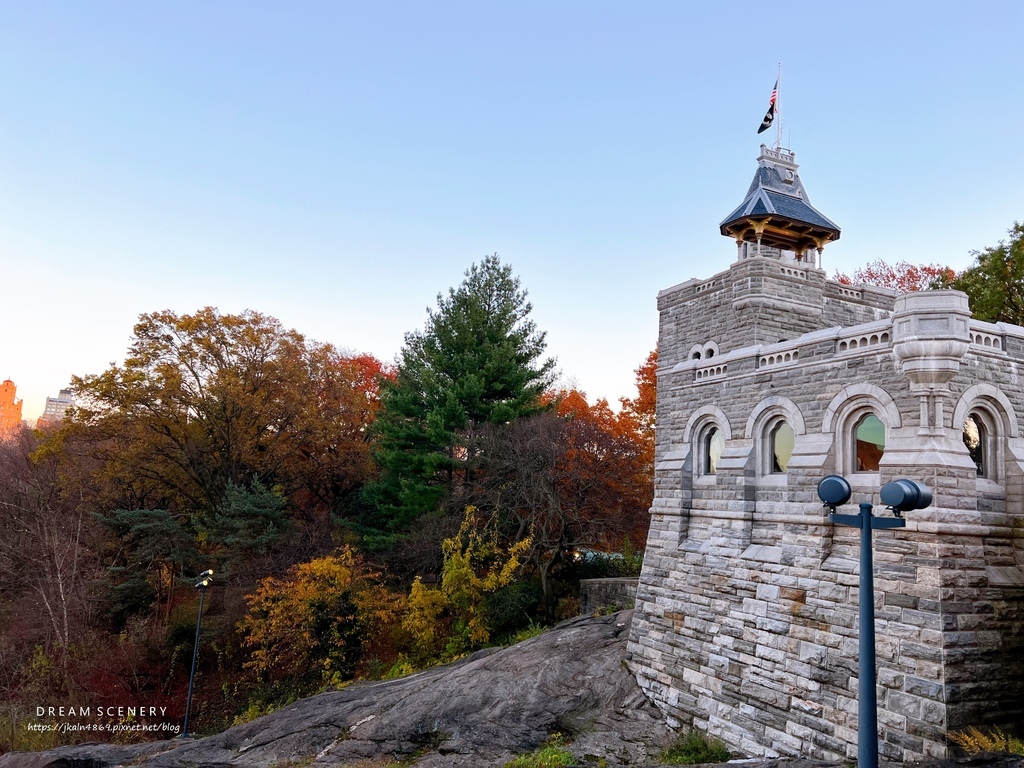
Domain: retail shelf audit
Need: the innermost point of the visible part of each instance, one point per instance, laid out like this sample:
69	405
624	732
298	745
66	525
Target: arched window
713	445
781	441
869	443
975	437
980	433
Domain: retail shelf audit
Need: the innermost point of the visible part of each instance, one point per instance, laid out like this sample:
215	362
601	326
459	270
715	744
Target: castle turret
771	377
777	214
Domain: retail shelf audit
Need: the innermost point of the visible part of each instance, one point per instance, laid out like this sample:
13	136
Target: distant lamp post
204	580
900	496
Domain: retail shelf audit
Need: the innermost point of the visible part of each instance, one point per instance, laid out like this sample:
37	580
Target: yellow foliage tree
316	624
475	566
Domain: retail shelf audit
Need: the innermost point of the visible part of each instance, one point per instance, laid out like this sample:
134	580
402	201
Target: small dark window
782	440
696	355
869	441
975	438
714	444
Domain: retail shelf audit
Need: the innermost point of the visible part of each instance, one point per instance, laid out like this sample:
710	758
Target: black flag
769	117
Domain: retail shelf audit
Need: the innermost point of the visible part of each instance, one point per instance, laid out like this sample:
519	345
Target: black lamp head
834	490
905	495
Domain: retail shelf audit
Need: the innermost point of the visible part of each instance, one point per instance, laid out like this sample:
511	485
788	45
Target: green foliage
975	740
153	549
477	361
551	755
694	748
249	521
511	608
995	282
527	633
400	668
257	708
15	736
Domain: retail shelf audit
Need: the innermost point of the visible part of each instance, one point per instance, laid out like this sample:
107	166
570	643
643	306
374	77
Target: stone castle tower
771	377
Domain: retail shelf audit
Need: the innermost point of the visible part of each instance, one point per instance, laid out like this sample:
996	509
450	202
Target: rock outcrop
476	713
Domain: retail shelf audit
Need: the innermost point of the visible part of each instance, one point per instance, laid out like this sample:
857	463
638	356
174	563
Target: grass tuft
551	755
694	748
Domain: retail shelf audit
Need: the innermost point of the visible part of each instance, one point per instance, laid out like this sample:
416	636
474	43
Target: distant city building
56	407
10	409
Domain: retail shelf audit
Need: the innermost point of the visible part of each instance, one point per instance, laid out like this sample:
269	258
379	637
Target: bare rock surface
476	713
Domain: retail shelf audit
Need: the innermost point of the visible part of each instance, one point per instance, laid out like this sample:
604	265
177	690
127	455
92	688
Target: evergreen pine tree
477	361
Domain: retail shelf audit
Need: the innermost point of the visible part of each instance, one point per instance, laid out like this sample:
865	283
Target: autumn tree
478	361
637	416
902	277
574	477
330	458
312	627
995	282
452	618
47	555
210	405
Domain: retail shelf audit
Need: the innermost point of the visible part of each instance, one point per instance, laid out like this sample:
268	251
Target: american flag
769	117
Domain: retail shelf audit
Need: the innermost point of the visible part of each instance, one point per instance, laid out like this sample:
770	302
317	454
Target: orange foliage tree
637	415
576	476
902	277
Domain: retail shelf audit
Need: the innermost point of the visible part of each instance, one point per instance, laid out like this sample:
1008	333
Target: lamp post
900	496
205	579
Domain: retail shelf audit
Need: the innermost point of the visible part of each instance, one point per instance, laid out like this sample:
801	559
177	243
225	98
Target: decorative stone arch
995	421
698	429
856	396
703	415
766	417
696	352
771	407
847	408
711	349
993	399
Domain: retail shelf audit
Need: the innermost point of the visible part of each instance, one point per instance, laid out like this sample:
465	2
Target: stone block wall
746	621
611	594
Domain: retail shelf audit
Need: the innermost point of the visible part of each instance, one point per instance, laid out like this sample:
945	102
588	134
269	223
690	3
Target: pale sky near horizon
338	164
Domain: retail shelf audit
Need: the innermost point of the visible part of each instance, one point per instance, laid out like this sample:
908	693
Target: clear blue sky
338	164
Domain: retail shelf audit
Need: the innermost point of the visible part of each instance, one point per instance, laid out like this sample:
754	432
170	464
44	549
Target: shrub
454	617
694	748
975	740
313	626
510	608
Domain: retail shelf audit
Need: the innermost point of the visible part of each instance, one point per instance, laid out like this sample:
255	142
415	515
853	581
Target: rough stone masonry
771	377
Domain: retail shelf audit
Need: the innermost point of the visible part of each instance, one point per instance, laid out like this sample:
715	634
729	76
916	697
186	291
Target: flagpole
778	110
